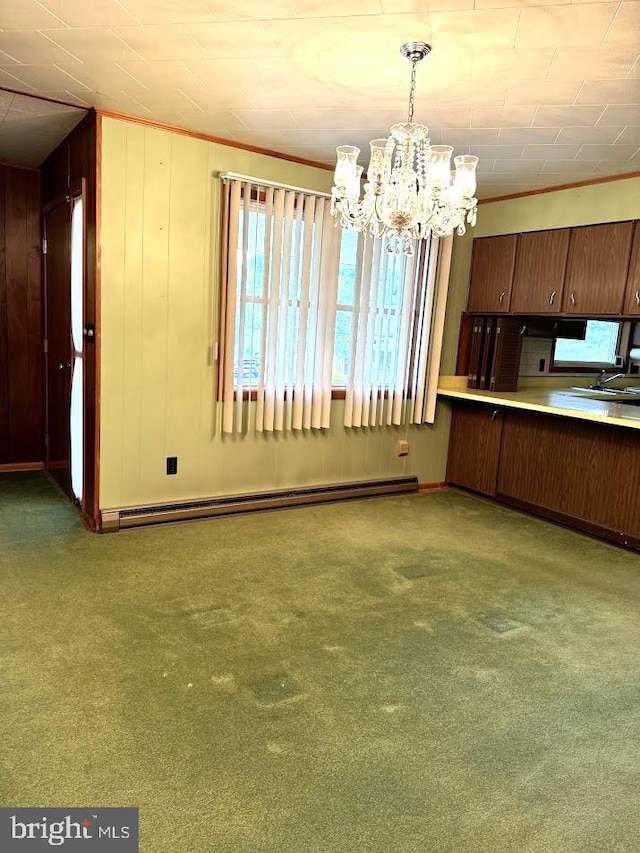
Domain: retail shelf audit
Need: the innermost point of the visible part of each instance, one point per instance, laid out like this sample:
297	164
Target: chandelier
410	189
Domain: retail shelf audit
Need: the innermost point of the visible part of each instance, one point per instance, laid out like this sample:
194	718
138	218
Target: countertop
565	401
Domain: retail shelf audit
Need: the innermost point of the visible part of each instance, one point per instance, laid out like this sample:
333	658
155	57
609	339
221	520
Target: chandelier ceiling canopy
410	190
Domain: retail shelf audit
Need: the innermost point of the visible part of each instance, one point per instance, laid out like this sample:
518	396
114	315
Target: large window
598	349
310	312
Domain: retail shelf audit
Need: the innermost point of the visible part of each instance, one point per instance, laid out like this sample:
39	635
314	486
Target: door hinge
45	245
46	439
45	345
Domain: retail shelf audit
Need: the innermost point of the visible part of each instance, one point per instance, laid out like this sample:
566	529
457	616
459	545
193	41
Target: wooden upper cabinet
632	298
492	267
538	279
597	268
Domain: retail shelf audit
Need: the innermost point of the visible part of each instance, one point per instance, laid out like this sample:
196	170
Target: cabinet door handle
502	296
495	414
637	297
573	298
552	297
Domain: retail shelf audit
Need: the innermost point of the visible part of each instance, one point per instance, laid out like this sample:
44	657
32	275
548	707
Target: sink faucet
603	379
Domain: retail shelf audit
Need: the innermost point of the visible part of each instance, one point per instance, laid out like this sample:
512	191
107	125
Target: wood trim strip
616	536
215	139
558	187
9	467
98	321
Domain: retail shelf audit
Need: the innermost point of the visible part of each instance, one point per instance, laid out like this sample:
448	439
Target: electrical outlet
172	464
402	447
541	365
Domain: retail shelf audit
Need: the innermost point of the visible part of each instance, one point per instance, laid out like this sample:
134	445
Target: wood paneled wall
21	319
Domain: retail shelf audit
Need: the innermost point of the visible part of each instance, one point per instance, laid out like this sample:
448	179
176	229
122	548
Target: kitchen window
598	350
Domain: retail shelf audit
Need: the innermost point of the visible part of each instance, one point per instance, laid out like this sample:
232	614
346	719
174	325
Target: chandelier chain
412	91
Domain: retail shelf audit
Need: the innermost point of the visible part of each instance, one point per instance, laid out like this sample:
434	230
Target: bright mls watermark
82	830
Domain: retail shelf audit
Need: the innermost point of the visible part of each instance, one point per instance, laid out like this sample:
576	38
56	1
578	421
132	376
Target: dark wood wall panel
21	330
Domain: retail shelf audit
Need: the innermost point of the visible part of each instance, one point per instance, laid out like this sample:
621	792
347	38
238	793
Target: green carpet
429	673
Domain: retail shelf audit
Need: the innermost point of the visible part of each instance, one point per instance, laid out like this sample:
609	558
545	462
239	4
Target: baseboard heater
117	519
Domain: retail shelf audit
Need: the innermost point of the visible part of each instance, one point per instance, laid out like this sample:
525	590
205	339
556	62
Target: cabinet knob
552	297
573	298
495	414
637	297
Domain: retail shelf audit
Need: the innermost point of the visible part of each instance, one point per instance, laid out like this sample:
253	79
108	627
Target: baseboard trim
113	520
627	540
13	467
423	487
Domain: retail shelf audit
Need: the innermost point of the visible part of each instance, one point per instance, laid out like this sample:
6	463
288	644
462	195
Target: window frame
338	392
624	335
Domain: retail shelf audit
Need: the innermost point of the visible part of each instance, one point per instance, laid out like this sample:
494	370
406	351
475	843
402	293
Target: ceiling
30	128
543	93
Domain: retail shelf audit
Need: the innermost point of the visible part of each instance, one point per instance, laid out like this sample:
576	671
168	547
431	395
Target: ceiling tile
599	63
244	40
630	135
277	119
398	6
169	11
609	92
47	78
621	115
378	121
27	15
550	152
525	167
450	118
584	24
33	48
607	152
503	116
625	26
569	167
543	92
473	136
6	60
498	27
498	152
99	76
166	42
10	82
581	135
527	135
487	94
96	13
567	116
338	38
266	10
278	97
92	44
512	64
329	8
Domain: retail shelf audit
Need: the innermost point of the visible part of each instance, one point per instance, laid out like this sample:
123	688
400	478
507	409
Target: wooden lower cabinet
474	447
583	474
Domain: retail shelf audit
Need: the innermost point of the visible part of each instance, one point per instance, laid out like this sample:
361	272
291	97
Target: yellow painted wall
613	201
159	297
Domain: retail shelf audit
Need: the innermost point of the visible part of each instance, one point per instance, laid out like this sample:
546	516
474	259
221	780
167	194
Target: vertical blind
397	333
280	265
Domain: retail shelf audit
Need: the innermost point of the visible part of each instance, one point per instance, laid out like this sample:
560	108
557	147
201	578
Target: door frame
89	468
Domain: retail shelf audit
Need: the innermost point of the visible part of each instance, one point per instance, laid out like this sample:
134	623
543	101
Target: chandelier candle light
410	189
